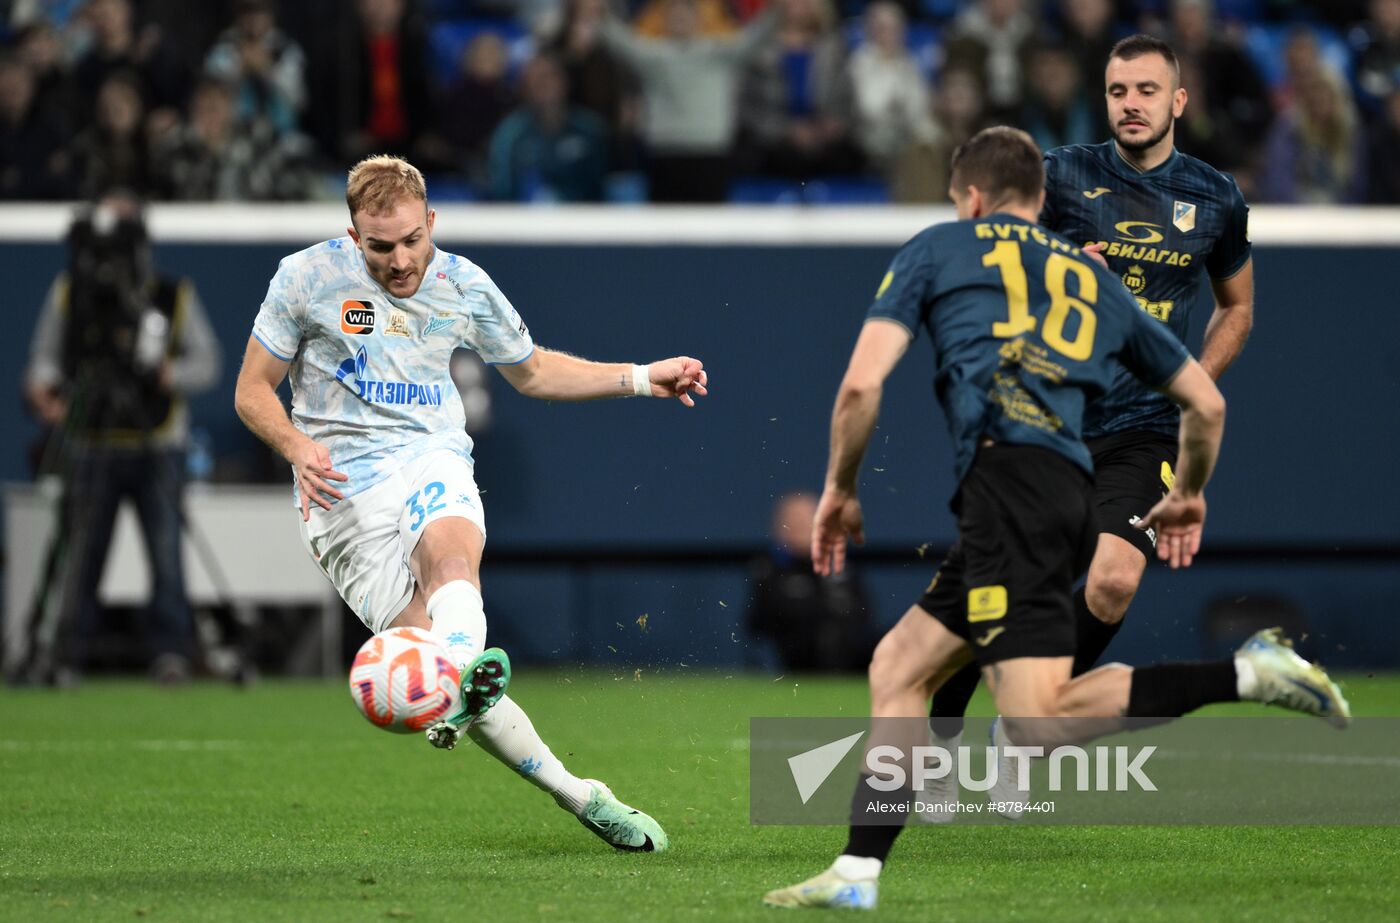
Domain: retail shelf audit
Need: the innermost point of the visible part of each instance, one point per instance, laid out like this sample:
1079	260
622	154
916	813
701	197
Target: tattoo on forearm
622	381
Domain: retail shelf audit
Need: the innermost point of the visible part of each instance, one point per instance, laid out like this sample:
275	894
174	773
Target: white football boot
1272	672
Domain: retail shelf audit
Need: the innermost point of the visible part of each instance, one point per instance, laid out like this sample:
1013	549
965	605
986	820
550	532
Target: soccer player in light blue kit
365	325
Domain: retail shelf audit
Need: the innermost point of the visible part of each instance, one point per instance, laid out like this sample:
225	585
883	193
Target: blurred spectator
219	156
113	153
266	68
993	39
31	141
892	101
1316	149
1377	45
478	99
715	20
1090	33
548	150
117	47
922	173
1057	112
1228	112
688	97
377	95
54	92
798	103
598	79
1302	61
1384	159
816	623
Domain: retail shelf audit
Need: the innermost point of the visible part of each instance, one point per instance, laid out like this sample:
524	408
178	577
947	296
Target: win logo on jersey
385	392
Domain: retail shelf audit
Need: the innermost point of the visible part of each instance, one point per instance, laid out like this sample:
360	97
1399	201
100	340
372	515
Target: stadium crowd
672	100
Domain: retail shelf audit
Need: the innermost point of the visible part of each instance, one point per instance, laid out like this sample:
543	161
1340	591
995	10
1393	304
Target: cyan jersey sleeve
1149	350
496	332
1233	249
903	292
279	324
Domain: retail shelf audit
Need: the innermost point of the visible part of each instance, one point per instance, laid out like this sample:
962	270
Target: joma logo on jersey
357	318
385	392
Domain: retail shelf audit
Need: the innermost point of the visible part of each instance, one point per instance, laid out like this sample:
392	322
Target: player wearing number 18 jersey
1025	330
1174	231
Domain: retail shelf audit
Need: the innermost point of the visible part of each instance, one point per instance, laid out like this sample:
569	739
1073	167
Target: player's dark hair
1002	162
1135	46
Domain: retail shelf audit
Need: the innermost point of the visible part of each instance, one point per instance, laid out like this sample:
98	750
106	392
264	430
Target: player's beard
1151	141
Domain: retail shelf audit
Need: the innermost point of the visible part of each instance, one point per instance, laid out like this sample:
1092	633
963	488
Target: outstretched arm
261	411
556	376
878	350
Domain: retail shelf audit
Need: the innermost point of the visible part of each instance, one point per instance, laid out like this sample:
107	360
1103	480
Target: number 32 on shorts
432	495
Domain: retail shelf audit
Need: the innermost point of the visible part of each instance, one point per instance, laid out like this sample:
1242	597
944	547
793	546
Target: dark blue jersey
1026	331
1166	234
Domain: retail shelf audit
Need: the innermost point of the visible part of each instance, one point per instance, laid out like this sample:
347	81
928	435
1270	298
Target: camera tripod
56	614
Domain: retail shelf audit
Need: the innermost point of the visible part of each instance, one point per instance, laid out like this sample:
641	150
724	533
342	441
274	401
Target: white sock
459	620
506	733
1246	683
857	868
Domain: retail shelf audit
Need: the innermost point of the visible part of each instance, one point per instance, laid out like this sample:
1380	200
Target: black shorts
1132	471
1026	532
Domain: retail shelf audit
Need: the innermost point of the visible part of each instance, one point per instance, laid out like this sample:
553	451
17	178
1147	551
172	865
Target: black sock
873	831
945	716
1091	635
1167	690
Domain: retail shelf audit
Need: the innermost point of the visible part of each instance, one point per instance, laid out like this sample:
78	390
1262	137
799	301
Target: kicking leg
446	565
506	733
1265	669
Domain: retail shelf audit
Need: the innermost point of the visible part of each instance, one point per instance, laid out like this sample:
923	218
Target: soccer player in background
1026	330
366	325
1175	231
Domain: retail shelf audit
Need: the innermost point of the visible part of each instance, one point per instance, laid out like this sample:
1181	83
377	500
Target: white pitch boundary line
584	225
1316	759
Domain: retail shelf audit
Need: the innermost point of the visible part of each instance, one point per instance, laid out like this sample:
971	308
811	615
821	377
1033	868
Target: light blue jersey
369	372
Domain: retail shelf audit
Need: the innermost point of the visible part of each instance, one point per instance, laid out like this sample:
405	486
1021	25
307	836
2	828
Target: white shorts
363	543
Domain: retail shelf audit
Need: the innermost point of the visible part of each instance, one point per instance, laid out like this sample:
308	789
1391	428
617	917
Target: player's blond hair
376	184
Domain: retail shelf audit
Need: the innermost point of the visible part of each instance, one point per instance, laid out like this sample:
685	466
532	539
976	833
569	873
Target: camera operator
117	348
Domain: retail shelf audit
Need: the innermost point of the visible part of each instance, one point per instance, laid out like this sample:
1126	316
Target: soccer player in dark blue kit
1175	231
1026	330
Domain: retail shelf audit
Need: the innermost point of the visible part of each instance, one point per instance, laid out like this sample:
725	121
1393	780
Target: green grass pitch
120	801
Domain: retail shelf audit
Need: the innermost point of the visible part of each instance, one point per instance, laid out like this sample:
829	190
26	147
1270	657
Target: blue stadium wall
602	512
